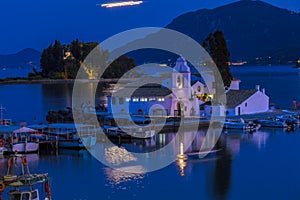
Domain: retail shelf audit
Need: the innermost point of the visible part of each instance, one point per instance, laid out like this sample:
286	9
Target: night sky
37	23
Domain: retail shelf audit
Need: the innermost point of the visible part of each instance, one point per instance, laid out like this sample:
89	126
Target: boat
135	128
15	138
143	134
273	123
241	125
21	187
2	150
2	147
203	154
288	119
20	140
71	136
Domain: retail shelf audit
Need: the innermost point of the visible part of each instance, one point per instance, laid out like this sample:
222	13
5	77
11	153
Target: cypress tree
215	44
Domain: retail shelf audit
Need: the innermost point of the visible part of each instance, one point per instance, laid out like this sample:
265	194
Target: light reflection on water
116	177
262	165
246	160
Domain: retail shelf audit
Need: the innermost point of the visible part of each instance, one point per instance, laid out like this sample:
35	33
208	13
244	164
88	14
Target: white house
241	102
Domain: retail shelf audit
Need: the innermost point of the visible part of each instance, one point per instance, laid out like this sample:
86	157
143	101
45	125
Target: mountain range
255	31
26	58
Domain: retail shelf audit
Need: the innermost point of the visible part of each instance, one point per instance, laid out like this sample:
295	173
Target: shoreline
60	81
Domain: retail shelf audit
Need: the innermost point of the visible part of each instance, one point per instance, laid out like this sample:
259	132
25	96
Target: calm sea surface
263	165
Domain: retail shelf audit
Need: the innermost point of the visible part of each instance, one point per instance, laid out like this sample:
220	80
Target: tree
58	57
44	61
63	61
52	60
216	46
119	67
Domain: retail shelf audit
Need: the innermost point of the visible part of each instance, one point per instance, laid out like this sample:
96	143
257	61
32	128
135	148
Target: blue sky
37	23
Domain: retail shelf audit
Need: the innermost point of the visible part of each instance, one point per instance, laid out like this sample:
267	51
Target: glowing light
121	4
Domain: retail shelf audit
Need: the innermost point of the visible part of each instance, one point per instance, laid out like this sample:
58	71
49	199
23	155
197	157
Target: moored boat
21	187
71	136
288	119
203	154
241	125
20	141
272	123
136	127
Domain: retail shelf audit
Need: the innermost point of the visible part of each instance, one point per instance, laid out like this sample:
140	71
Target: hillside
26	59
253	29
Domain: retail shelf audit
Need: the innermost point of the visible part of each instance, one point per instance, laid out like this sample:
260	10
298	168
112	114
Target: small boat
21	142
2	147
136	127
288	119
203	154
21	187
272	123
24	195
144	134
69	136
2	150
241	125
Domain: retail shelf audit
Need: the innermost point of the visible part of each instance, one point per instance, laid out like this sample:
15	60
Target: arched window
140	111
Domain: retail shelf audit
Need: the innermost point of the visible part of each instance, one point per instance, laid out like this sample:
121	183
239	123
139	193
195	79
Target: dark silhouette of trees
215	44
52	61
119	67
63	61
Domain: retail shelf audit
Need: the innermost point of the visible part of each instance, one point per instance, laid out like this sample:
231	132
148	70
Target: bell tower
182	101
181	79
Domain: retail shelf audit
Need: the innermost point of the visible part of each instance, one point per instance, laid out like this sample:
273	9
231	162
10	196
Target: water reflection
121	175
117	156
222	174
181	159
217	170
33	163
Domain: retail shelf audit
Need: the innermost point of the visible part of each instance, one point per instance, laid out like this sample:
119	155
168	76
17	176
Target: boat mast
1	112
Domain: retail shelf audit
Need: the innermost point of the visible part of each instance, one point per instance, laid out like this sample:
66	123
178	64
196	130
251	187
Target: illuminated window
161	99
127	99
143	99
152	99
135	99
199	89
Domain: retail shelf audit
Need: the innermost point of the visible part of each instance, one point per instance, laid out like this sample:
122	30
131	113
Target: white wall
234	85
257	103
214	110
202	86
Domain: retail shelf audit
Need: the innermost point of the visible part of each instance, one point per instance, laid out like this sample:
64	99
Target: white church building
182	96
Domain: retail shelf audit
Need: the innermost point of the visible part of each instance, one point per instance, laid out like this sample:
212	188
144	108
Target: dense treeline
215	44
62	61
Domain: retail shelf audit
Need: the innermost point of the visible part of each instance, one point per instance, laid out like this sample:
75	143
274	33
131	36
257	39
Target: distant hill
255	31
26	59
